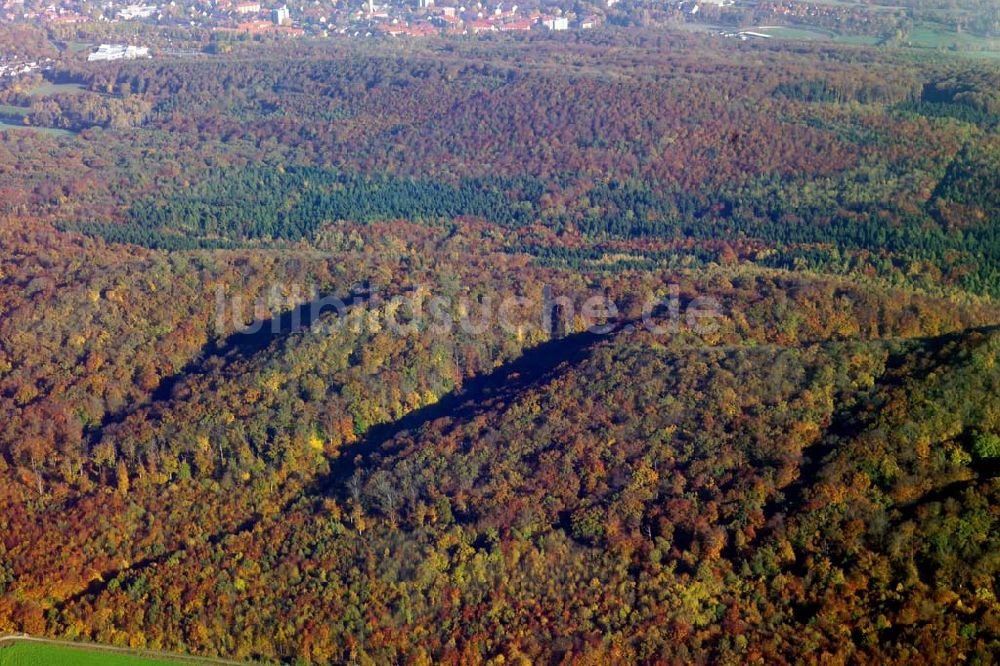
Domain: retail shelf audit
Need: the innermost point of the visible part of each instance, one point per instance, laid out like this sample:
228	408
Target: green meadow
27	653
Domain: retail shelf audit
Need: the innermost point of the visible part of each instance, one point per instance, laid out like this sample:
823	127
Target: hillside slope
680	502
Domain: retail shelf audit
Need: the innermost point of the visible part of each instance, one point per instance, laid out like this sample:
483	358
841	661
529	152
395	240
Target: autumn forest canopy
811	478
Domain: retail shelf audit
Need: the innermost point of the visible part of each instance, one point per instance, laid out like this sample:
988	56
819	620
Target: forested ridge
810	479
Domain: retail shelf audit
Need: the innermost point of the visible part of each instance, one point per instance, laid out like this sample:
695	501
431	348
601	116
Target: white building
118	52
248	8
556	23
280	16
136	12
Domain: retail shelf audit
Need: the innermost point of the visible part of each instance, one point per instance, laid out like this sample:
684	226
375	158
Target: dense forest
813	478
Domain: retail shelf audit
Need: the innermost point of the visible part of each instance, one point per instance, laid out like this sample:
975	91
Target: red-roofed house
481	25
512	26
